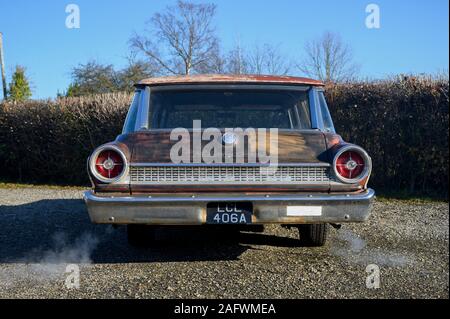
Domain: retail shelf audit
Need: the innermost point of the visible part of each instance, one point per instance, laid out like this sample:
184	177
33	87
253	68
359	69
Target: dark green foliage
95	78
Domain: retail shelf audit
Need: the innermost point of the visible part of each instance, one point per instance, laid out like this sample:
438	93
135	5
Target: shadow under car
60	231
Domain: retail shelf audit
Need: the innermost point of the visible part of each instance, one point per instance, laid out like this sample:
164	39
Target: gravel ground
43	230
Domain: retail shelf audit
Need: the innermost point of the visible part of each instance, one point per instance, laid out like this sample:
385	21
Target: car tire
141	235
313	235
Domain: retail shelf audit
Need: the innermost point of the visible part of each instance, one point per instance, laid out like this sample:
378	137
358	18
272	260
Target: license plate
229	213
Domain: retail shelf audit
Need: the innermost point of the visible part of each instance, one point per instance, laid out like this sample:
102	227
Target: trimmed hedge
50	141
403	124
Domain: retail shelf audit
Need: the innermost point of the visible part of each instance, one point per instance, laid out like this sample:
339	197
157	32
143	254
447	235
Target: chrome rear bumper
183	209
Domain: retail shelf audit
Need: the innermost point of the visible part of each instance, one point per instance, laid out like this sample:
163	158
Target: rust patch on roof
197	79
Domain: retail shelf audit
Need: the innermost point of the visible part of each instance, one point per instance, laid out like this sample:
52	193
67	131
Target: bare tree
329	59
237	60
182	39
257	60
267	59
215	63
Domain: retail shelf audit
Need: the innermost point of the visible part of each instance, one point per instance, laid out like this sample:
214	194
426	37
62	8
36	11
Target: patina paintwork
222	79
293	147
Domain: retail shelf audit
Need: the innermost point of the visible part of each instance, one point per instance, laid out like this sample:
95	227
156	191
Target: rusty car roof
216	78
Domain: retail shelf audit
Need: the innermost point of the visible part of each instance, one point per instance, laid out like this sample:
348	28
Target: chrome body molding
190	209
230	164
142	120
314	108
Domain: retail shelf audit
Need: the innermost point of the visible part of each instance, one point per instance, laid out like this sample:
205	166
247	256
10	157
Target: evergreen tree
19	88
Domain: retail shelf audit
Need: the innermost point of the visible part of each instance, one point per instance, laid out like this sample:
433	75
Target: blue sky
413	38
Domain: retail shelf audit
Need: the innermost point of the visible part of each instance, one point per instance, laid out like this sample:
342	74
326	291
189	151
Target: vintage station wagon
229	150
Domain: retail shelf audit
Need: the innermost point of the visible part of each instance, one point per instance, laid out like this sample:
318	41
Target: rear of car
229	150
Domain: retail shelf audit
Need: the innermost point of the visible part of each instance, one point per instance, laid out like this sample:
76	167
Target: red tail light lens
109	164
352	164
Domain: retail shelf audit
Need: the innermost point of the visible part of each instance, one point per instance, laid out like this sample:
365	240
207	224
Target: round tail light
352	164
108	164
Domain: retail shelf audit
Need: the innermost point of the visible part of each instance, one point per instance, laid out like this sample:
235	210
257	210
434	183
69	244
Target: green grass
412	199
24	186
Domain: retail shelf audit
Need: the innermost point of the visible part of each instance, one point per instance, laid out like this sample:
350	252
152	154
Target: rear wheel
313	235
141	235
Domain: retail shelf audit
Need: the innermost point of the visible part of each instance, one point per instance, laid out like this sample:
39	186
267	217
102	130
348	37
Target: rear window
230	108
